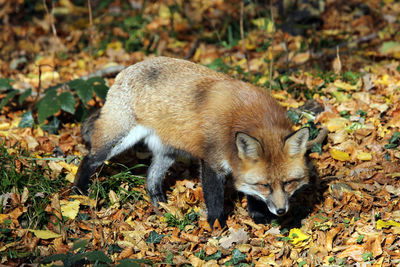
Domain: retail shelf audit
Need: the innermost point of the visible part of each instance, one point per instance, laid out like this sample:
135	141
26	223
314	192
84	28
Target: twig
90	37
51	19
39	88
109	71
246	55
271	63
319	139
192	49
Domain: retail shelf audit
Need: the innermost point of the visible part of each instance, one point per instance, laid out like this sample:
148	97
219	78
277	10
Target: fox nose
281	211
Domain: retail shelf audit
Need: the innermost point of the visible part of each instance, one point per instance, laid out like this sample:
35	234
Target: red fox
177	107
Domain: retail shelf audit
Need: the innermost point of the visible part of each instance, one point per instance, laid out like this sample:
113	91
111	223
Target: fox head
272	172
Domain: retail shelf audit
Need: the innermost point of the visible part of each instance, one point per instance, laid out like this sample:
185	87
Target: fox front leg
155	176
213	184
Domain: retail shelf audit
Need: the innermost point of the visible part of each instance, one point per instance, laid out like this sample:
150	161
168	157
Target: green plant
114	182
237	257
135	26
80	257
69	97
32	176
154	238
188	219
394	141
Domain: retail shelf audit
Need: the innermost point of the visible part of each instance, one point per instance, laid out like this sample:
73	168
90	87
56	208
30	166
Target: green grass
175	221
125	184
17	174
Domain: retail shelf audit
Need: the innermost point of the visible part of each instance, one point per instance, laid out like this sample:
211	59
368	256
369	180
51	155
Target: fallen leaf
69	167
346	86
266	261
382	224
239	236
339	155
84	200
45	234
354	251
70	209
335	124
364	156
298	238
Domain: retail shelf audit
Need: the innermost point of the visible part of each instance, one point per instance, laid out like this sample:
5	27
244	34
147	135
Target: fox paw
157	198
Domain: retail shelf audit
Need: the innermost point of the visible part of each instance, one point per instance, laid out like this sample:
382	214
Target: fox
235	129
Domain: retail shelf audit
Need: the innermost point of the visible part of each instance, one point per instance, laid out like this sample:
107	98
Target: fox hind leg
110	137
86	169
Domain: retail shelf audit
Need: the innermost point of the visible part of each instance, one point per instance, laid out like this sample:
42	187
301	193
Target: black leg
213	184
258	210
86	169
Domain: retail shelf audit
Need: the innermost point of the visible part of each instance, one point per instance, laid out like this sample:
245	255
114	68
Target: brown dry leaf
330	236
266	261
126	253
190	237
25	195
195	261
239	236
171	207
355	252
45	144
66	143
55	168
31	142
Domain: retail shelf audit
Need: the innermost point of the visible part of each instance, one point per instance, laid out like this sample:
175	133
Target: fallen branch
109	71
323	132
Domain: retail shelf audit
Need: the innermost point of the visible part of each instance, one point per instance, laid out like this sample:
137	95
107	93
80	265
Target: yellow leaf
164	12
45	234
364	156
82	64
382	224
335	124
69	167
9	245
84	200
260	23
263	80
270	27
347	86
297	237
115	45
331	32
5	126
70	209
339	155
70	177
279	96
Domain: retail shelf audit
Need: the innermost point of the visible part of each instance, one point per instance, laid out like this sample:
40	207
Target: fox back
233	127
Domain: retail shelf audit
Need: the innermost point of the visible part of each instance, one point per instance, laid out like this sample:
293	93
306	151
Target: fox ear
248	146
296	142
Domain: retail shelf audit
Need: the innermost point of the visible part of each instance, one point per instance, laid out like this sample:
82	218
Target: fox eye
289	182
267	186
